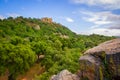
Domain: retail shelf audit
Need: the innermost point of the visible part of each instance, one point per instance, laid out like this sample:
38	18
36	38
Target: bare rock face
101	62
65	75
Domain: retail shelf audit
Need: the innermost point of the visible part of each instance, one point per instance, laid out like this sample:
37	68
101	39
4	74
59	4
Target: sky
81	16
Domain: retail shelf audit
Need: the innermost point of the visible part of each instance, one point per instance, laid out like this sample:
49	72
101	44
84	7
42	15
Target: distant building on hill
46	19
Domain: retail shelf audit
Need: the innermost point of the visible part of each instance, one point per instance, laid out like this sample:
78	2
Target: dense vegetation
26	41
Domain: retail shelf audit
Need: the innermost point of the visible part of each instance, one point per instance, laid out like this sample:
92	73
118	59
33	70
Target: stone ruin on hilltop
46	19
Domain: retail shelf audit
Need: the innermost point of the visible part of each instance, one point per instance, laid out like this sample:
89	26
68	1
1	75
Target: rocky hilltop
99	63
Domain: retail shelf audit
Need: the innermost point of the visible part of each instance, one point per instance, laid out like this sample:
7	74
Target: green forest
25	42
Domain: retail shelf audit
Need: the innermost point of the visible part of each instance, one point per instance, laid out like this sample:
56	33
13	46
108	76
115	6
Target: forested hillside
27	41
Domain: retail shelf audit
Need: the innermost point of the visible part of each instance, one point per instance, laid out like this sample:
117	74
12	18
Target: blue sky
81	16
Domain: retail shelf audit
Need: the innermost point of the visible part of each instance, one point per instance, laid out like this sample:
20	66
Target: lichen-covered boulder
101	62
65	75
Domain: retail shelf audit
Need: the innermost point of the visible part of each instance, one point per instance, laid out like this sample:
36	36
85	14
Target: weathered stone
46	19
36	27
65	75
109	47
90	58
104	58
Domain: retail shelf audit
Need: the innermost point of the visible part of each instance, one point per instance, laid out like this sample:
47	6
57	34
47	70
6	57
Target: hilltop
32	27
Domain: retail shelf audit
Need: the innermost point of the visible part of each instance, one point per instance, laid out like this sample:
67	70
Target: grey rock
109	47
91	59
107	53
65	75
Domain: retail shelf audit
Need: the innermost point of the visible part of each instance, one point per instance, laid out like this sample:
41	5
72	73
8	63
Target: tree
17	59
39	48
57	44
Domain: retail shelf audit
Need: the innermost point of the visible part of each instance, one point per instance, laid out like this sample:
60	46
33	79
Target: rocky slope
99	63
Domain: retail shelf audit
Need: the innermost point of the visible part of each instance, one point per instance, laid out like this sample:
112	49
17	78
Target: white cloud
104	23
69	19
115	26
98	18
2	17
12	15
107	4
101	18
104	31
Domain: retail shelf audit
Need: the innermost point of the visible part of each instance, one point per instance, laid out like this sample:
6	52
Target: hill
27	41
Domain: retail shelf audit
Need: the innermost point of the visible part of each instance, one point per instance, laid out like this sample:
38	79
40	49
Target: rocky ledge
109	47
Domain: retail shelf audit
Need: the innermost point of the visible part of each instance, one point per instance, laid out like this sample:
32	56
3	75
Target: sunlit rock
101	62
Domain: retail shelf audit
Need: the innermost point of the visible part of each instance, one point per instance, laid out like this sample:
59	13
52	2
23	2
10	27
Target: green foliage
85	78
101	73
17	59
20	43
108	69
39	48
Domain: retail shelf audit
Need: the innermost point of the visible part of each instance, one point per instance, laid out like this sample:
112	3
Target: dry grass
4	77
29	75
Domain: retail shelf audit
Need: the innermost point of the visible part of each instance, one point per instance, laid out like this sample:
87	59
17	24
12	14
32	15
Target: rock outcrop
36	27
102	62
47	20
99	63
110	47
65	75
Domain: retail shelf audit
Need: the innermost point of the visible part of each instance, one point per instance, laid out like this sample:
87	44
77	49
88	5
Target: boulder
36	27
101	62
109	47
65	75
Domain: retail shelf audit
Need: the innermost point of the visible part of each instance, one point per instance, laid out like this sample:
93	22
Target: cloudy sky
81	16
